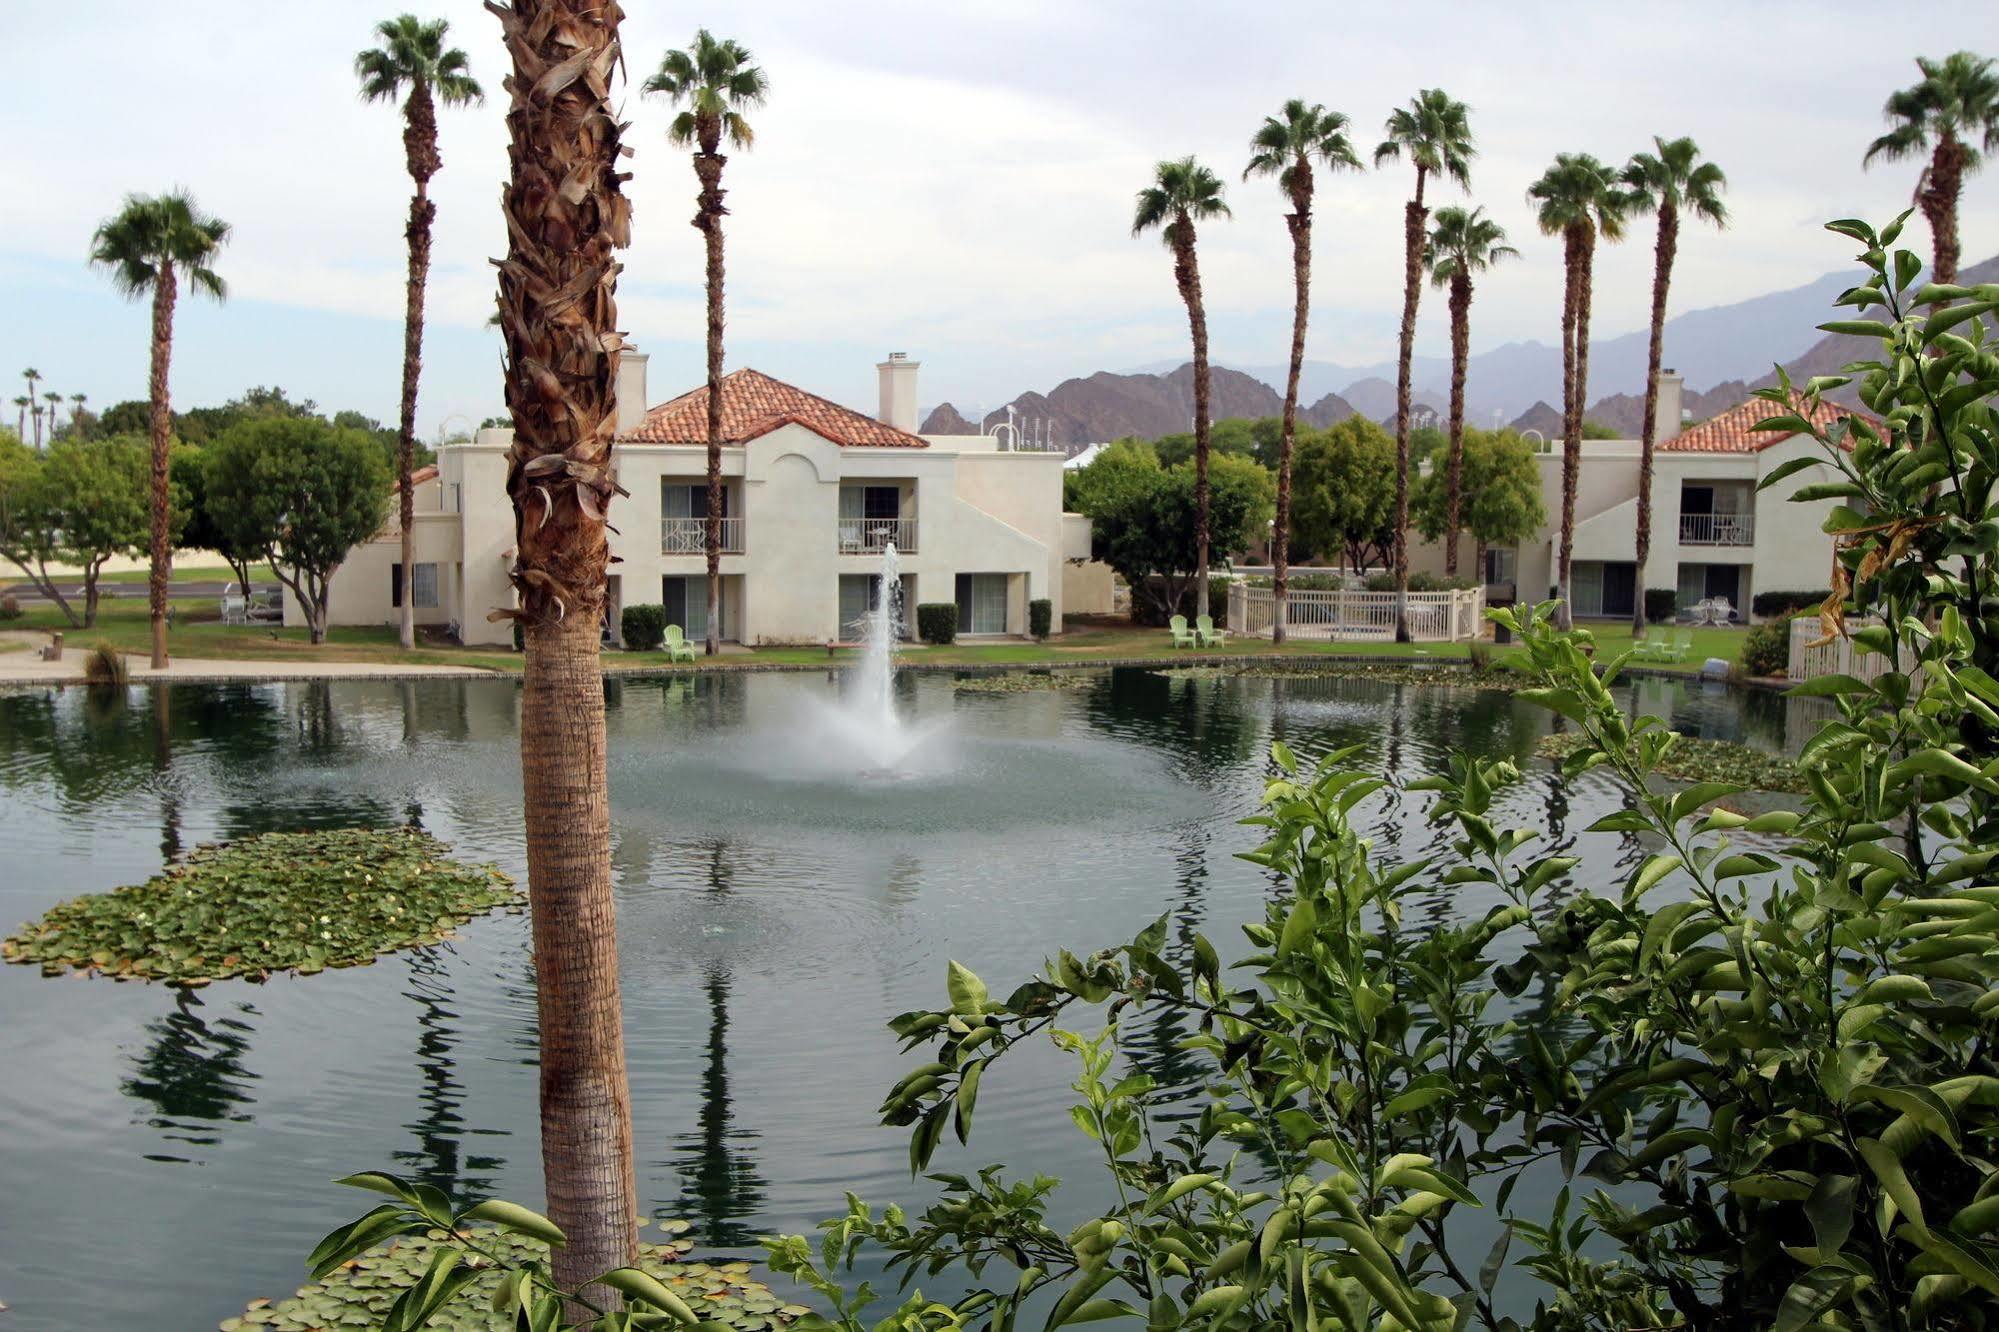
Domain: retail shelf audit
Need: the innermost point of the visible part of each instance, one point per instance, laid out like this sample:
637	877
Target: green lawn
199	635
220	573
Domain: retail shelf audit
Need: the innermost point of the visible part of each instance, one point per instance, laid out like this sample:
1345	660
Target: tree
1952	112
1345	498
99	491
205	528
149	247
1463	242
1142	516
31	526
23	402
33	376
1499	502
1578	199
1434	133
1666	183
130	417
301	494
558	316
1284	146
1237	435
412	55
717	82
1182	193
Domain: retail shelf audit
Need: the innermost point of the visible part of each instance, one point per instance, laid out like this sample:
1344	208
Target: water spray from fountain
881	630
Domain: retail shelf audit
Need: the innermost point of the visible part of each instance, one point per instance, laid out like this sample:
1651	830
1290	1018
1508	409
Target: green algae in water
299	902
1695	760
1028	682
1412	673
361	1293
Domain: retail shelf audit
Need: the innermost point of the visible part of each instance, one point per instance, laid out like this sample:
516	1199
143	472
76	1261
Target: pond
167	1154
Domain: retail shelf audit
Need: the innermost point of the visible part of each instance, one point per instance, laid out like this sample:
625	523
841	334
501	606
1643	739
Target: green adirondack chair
1655	646
1183	637
1206	634
1683	645
677	646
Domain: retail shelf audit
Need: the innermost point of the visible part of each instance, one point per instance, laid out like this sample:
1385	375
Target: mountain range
1726	350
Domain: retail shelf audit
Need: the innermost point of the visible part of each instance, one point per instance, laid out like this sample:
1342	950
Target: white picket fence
1835	658
1351	616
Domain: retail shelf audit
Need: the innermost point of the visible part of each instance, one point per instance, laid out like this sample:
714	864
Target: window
457	497
1499	565
424	587
860	597
982	603
686	603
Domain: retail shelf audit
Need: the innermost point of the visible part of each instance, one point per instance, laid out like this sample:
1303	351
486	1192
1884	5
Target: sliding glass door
686	602
982	603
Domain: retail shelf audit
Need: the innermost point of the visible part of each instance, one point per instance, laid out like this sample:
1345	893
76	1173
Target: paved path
26	667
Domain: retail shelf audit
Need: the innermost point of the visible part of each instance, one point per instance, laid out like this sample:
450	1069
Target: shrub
1148	609
103	665
1661	604
10	607
1040	617
937	622
1784	603
1766	648
644	626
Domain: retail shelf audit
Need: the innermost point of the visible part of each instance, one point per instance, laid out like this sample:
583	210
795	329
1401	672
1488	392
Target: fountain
874	679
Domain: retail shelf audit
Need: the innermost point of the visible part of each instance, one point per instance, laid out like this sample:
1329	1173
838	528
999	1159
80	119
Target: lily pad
1436	672
1027	682
361	1293
299	902
1695	760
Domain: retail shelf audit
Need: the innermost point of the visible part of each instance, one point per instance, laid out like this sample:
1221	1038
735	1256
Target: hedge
1783	603
644	626
937	622
1040	617
1661	604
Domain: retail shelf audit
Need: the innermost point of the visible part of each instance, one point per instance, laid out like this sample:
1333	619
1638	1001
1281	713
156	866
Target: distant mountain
1375	396
1105	406
1539	417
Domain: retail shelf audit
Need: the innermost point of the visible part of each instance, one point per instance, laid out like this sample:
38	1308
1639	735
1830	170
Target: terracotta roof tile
753	405
1733	431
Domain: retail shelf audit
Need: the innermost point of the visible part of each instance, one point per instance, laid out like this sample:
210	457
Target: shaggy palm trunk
1662	274
1300	224
1454	474
708	221
1938	199
566	219
1413	214
420	152
160	420
1187	273
1583	278
1571	423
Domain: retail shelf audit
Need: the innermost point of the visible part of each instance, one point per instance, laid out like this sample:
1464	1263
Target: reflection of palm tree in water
439	1157
192	1074
1154	1047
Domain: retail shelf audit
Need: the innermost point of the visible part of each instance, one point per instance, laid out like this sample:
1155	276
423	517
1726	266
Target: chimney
1666	418
631	389
898	392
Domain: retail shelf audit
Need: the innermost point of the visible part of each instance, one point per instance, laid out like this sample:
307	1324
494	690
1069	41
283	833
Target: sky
952	180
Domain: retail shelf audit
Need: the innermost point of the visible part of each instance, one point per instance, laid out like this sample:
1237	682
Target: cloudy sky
951	180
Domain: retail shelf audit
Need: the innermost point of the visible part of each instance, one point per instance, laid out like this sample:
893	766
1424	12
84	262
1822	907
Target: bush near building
937	622
1040	617
1661	604
644	626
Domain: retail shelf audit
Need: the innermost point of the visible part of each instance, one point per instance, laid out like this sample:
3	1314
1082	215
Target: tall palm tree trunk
420	151
160	419
1583	279
1300	223
1413	214
566	218
1187	271
1454	476
1571	425
708	220
1662	275
1938	196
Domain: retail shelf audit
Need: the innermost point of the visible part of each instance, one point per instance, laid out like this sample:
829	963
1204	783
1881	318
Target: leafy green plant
274	902
937	622
1766	648
643	626
1662	603
1040	617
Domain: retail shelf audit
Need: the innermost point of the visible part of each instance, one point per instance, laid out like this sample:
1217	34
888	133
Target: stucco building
812	494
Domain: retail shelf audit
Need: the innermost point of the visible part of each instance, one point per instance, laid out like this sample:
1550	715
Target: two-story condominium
1713	534
813	493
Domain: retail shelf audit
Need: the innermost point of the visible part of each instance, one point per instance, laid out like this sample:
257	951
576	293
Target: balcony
1717	529
689	536
871	536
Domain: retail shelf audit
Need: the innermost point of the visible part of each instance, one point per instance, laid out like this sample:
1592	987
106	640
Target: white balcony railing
869	536
689	536
1717	529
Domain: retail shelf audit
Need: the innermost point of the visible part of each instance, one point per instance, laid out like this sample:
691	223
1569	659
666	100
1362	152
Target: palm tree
54	401
1182	193
152	243
1577	198
1463	242
23	402
1953	114
412	55
33	376
1434	133
1284	147
718	82
558	308
1672	181
76	401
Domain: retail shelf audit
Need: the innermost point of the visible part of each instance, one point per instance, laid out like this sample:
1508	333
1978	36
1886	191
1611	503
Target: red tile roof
423	474
1733	431
753	405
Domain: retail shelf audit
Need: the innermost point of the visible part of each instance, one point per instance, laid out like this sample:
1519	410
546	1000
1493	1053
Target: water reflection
441	1156
191	1073
721	1187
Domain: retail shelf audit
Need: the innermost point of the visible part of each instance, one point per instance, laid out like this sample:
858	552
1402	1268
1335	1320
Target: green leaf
1822	686
1830	1210
1918	1103
514	1217
968	992
1859	328
1701	793
1649	874
1887	1168
1299	927
634	1284
1809	1296
968	1095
